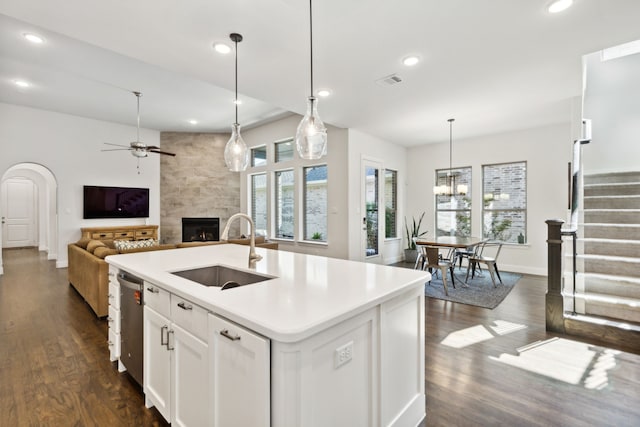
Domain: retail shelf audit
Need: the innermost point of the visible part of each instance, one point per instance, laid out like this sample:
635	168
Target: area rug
480	291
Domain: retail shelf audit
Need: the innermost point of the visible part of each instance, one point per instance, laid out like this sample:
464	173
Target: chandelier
451	187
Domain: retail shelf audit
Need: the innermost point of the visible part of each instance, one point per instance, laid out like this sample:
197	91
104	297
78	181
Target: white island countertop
307	294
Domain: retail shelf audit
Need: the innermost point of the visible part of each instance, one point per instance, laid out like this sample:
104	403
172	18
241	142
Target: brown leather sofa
88	272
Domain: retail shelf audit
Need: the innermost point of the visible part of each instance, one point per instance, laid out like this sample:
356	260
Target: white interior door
372	227
18	213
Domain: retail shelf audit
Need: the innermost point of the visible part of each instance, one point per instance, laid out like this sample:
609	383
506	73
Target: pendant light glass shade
236	153
311	136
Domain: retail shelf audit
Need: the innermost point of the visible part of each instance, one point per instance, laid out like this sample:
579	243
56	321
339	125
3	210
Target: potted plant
410	253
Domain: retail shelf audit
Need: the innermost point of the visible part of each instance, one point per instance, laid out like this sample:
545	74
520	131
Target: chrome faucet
253	256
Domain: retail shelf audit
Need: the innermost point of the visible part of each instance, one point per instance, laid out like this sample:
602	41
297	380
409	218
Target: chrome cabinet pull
164	328
184	306
225	333
153	290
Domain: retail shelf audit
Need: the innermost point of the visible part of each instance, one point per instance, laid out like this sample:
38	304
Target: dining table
452	243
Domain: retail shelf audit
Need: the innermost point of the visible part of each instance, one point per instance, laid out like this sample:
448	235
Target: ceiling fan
137	148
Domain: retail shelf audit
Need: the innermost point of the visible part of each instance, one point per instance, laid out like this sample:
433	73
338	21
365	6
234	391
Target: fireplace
200	229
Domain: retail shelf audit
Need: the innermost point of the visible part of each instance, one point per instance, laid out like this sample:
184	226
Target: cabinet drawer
114	319
114	345
124	235
157	299
189	316
144	234
100	236
114	295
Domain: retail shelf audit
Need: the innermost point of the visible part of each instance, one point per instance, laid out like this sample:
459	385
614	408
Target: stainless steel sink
221	276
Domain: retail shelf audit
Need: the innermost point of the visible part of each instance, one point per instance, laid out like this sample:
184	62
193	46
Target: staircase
609	263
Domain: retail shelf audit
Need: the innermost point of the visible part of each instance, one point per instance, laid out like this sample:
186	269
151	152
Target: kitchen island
320	342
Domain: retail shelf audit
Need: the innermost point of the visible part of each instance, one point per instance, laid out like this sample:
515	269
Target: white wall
547	152
611	101
363	146
336	161
69	146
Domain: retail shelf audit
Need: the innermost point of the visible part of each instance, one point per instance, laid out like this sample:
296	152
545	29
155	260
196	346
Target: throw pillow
125	245
83	242
92	245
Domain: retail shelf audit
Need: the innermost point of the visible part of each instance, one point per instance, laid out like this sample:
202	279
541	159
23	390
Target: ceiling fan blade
162	152
117	145
152	147
116	149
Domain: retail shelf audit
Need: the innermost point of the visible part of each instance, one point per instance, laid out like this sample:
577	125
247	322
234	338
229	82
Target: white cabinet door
240	376
189	377
157	362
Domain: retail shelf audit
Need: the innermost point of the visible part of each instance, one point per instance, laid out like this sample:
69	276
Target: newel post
554	311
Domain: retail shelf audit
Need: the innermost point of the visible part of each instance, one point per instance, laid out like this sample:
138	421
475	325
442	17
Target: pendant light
450	188
311	136
236	153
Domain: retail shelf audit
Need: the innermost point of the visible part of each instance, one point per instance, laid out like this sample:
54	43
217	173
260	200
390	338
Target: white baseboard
62	264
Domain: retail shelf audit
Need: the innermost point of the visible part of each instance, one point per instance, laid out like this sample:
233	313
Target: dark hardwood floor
54	367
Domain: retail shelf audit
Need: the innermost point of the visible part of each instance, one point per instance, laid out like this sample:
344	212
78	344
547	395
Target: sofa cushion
104	251
93	244
126	245
83	242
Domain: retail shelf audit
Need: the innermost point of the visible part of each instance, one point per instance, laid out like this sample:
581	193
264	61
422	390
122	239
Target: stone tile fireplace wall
195	183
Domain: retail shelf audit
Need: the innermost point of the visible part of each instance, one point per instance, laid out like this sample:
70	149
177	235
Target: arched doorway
45	202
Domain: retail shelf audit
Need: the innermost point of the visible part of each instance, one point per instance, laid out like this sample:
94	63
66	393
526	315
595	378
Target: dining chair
436	262
420	259
486	253
463	253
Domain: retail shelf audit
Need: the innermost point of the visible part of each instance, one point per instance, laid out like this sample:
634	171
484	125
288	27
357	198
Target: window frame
251	201
522	238
276	206
441	174
394	207
306	236
276	158
252	156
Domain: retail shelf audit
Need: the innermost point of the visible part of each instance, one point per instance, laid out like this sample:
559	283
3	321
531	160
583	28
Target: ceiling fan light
311	135
236	153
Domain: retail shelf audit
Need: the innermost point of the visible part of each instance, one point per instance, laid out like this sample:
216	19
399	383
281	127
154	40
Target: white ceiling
494	65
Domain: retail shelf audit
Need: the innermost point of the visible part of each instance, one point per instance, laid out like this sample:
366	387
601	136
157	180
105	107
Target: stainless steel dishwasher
131	303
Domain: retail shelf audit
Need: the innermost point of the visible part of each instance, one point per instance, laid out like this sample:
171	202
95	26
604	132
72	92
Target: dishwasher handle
130	282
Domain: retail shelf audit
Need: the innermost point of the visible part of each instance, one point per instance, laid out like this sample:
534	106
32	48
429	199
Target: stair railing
554	298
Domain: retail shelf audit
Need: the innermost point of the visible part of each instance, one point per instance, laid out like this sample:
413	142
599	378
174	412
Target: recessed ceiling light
193	122
559	6
221	48
22	83
33	38
324	93
410	61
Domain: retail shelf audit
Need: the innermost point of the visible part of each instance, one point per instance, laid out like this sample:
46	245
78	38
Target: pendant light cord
311	40
235	101
138	95
450	146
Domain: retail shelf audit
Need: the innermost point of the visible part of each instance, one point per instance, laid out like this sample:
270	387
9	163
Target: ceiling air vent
389	80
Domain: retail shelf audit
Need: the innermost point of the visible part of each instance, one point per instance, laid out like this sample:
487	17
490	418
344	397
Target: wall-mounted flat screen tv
115	202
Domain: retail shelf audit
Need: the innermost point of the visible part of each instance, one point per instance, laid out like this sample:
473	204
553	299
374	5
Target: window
259	156
259	202
284	209
504	207
390	203
284	150
453	213
315	203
